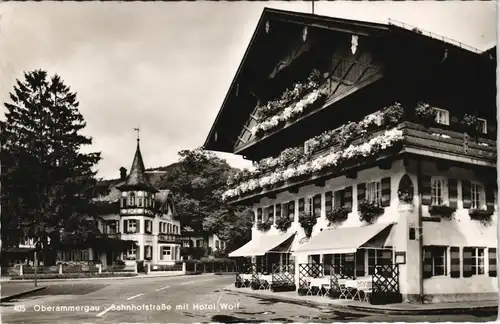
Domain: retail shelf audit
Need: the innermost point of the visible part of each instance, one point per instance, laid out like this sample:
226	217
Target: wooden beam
384	164
442	166
248	129
241	140
319	183
351	174
253	117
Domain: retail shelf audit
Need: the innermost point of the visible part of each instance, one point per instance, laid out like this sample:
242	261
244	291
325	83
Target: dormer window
442	116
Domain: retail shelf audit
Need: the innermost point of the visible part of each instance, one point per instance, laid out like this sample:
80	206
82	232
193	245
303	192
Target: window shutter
455	262
386	192
125	226
492	262
426	190
468	262
490	197
317	205
328	201
427	263
360	263
348	198
452	193
466	194
338	198
361	193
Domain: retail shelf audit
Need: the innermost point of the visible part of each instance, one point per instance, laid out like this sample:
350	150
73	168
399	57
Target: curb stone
24	293
373	310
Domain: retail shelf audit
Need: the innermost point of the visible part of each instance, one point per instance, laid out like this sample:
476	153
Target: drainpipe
420	233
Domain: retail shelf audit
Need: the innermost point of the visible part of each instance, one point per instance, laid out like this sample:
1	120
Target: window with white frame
169	228
131	253
483	125
442	116
217	245
439	191
149	226
132	199
373	192
435	260
132	226
478	261
165	252
478	199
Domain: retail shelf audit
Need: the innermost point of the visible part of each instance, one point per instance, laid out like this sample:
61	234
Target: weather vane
137	130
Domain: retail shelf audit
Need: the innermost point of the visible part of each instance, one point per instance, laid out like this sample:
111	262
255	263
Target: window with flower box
259	215
338	198
278	211
483	125
473	261
328	201
302	205
434	261
477	193
442	116
270	214
291	210
439	191
373	193
317	205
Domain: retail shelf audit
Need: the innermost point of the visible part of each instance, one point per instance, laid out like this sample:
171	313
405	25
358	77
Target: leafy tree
48	182
198	181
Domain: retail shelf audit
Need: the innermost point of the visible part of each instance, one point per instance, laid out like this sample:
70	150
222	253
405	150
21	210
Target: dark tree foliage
198	181
47	181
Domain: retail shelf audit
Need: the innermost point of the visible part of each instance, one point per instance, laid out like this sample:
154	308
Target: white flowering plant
333	158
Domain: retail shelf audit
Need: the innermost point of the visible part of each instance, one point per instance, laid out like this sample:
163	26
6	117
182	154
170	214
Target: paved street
186	299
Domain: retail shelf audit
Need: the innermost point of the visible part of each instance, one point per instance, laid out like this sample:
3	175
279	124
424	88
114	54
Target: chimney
123	173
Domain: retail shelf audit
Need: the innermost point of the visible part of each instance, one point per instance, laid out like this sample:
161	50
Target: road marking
130	298
209	279
186	283
162	288
104	311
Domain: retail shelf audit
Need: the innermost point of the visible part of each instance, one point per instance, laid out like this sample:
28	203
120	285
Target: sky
166	66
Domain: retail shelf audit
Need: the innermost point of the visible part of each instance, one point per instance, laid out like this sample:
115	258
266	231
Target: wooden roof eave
324	22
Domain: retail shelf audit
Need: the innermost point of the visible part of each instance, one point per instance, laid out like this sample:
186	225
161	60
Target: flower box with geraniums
482	215
441	210
369	211
470	125
425	114
337	215
307	220
283	223
264	226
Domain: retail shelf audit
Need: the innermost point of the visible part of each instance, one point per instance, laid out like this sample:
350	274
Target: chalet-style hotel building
374	147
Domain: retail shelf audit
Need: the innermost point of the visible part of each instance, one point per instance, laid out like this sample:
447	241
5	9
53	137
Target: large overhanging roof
229	111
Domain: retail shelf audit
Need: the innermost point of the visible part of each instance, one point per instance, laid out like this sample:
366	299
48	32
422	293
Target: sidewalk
390	309
11	291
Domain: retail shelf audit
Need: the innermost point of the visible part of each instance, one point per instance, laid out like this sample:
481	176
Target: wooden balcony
435	143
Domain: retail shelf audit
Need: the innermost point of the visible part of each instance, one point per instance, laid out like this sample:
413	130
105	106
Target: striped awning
279	243
347	239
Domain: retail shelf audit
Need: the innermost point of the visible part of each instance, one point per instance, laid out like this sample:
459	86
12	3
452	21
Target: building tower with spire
147	216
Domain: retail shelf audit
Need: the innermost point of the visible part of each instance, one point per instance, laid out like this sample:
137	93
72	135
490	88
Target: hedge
72	275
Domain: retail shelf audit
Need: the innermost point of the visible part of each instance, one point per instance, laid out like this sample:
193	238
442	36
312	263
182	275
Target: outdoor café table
320	283
347	287
246	277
